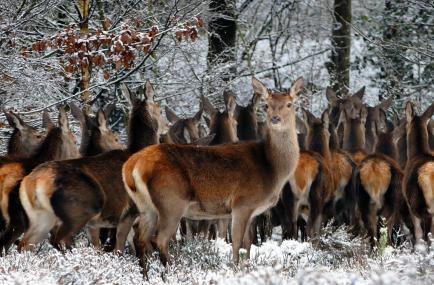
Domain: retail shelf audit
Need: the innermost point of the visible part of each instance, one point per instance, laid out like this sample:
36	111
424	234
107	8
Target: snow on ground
334	259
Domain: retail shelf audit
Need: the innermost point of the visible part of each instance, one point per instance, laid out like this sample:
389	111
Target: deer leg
122	231
240	221
418	231
40	226
223	225
94	236
248	237
167	225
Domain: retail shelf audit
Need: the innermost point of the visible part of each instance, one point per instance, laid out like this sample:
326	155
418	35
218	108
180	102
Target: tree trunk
339	67
84	6
222	36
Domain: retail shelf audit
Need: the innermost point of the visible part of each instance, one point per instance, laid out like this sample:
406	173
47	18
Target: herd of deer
351	165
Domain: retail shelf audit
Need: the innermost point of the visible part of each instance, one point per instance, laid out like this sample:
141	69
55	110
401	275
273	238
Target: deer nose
275	120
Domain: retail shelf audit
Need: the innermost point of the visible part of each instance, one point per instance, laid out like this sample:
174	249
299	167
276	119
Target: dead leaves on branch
109	52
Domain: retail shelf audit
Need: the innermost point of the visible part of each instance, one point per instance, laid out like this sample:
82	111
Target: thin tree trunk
339	67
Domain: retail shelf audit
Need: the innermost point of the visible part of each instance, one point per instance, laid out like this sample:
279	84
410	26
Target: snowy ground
335	259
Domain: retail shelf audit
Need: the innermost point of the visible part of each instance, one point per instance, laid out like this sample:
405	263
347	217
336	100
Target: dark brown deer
419	173
89	191
182	131
240	181
24	139
354	134
380	182
352	104
373	118
96	135
60	143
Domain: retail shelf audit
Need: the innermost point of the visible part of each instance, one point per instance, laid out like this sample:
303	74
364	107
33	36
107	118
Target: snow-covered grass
334	258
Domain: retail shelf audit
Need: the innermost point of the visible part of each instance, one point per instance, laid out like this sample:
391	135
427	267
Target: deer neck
142	130
283	151
417	143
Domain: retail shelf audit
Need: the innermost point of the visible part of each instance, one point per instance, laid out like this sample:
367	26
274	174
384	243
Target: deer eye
289	105
266	106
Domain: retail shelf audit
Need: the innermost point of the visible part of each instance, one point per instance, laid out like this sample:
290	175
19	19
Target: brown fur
238	180
87	191
418	172
24	139
59	144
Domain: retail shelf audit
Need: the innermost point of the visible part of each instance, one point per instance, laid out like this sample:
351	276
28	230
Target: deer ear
382	119
409	112
359	94
198	115
131	98
297	87
170	115
259	88
77	113
47	123
325	118
231	105
14	121
301	124
308	117
331	95
207	106
63	118
149	92
102	120
255	101
343	117
428	112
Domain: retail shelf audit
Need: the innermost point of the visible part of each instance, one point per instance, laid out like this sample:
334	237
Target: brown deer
60	143
340	196
379	179
352	104
223	125
182	131
418	178
89	191
353	140
373	118
167	182
24	139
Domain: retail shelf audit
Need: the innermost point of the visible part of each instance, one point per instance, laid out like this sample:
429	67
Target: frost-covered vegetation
54	52
334	259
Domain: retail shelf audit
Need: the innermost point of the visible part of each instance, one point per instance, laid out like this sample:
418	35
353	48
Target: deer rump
70	195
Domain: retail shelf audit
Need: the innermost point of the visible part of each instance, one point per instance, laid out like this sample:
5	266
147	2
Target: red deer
168	182
373	118
224	127
24	139
89	191
353	140
379	180
59	143
352	104
340	196
418	178
96	136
